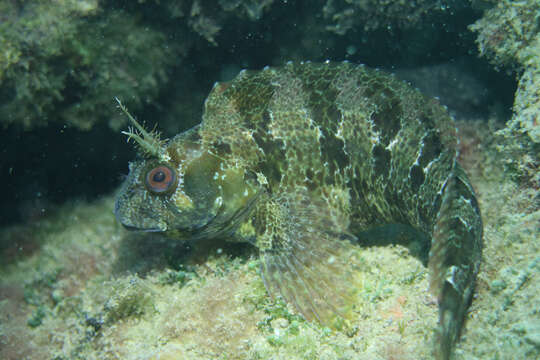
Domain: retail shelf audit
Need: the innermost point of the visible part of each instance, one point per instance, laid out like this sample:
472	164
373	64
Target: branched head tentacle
149	143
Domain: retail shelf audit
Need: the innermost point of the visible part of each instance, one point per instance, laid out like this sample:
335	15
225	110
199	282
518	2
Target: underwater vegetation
509	35
65	61
62	62
75	285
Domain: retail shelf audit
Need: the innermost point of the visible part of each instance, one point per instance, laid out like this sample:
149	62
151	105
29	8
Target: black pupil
158	176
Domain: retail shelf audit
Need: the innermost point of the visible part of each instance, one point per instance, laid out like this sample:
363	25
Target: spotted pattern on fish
299	159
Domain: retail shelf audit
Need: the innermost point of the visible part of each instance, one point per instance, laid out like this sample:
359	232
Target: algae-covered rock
66	61
350	15
207	18
506	29
83	293
509	36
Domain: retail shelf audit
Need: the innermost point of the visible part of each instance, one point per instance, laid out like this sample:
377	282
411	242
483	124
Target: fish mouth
129	224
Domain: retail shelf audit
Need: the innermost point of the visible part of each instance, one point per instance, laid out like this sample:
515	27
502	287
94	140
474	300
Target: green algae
371	15
65	62
509	36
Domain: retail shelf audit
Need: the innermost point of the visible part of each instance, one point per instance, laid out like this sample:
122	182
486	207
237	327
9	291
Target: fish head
165	194
183	188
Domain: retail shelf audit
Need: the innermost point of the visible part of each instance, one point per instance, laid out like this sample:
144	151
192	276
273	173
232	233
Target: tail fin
454	259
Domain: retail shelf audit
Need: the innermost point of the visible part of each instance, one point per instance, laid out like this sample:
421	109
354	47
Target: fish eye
160	179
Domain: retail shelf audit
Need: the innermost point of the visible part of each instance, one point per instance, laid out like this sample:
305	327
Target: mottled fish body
296	160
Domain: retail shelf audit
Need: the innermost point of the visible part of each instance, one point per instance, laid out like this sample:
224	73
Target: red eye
160	179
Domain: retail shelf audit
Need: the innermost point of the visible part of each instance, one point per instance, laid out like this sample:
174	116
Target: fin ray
305	263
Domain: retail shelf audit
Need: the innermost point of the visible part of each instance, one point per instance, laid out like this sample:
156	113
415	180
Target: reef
349	15
509	36
63	62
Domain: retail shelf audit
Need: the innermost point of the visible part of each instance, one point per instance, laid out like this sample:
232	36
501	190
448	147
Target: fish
299	160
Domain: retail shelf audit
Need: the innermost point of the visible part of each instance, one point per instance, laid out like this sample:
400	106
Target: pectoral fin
306	259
